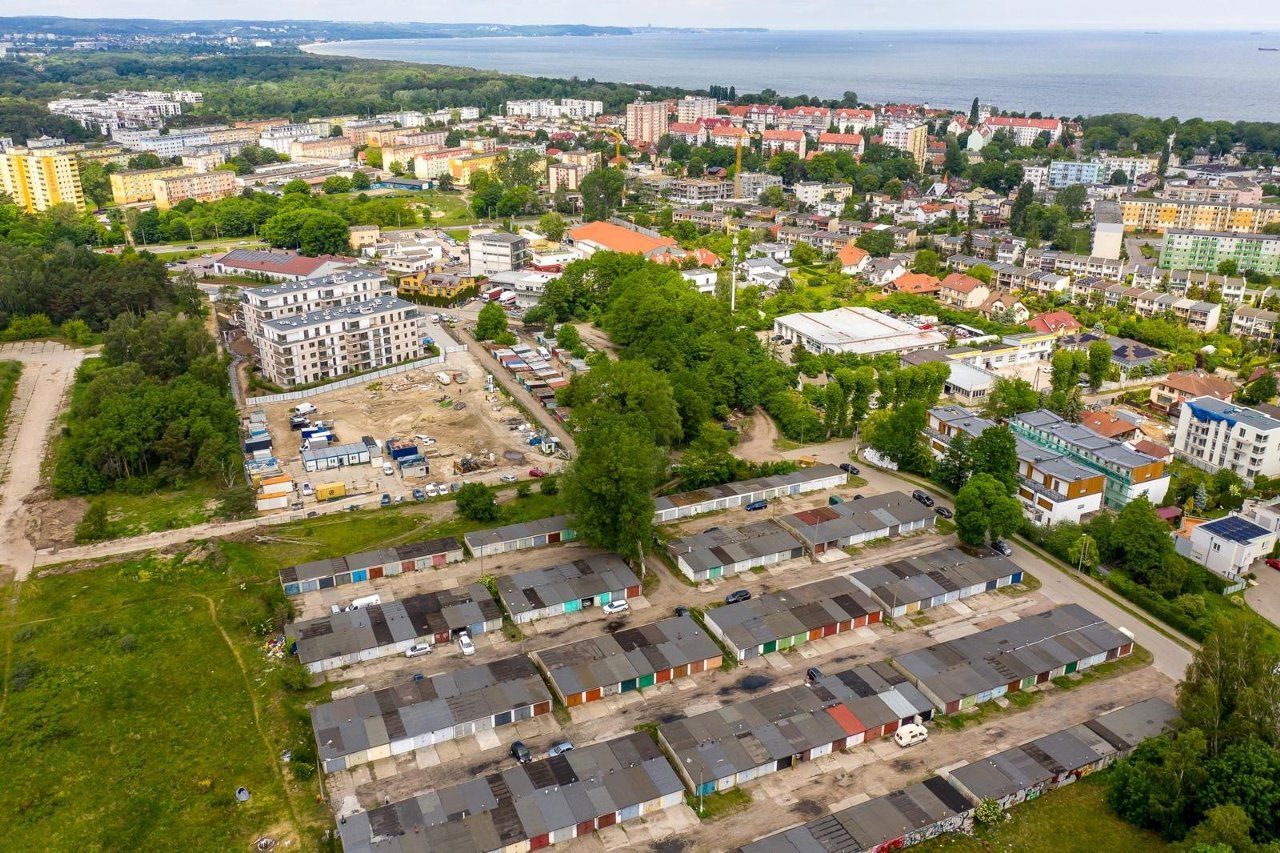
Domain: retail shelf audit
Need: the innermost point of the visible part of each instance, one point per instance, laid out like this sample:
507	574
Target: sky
774	14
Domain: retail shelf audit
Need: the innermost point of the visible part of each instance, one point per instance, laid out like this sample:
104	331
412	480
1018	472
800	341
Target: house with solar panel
917	583
782	620
423	712
527	806
958	674
570	587
729	551
1226	546
856	522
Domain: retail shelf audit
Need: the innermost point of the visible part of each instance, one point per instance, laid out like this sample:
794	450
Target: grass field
1074	819
10	372
455	208
138	695
132	515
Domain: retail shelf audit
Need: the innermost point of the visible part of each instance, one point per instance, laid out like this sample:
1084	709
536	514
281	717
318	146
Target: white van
303	409
910	735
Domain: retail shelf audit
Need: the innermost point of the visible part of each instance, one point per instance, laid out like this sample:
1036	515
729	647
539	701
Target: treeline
1128	131
155	410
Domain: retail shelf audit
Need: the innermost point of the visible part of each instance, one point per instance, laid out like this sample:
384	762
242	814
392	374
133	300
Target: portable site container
278	485
330	491
266	502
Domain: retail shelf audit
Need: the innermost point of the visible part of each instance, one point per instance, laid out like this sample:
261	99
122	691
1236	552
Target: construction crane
737	171
617	155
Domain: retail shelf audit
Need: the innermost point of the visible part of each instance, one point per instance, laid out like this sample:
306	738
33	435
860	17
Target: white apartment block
259	305
124	109
1256	323
690	108
812	192
573	108
329	343
497	251
1131	166
1213	434
279	137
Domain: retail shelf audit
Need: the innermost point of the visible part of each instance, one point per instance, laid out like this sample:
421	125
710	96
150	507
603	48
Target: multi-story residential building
1064	173
695	191
853	121
201	186
1066	263
1255	323
728	136
911	138
130	186
37	181
565	176
323	293
1165	214
497	251
646	121
1214	434
1024	131
812	192
322	148
774	142
463	168
1108	230
571	108
204	159
124	109
329	343
1131	166
1128	472
279	137
692	133
1037	176
754	183
690	108
1204	250
851	142
813	120
1052	487
1226	546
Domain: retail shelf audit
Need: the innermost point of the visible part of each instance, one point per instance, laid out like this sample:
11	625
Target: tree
926	262
476	501
360	181
1145	550
444	183
1229	267
1157	786
1011	397
1083	553
601	193
983	508
1099	363
608	487
803	253
145	160
627	387
995	452
1225	829
1260	390
491	322
93	526
323	233
973	113
1018	216
568	337
1119	178
96	183
898	435
1230	685
982	273
373	157
552	226
773	197
956	465
878	244
1072	200
336	184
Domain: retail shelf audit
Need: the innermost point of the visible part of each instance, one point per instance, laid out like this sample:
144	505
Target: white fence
345	383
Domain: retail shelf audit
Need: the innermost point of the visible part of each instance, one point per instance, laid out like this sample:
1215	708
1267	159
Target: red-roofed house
1024	131
691	132
277	266
853	260
851	142
1149	447
777	141
917	283
1054	322
728	136
605	236
1171	392
853	121
1004	306
963	291
1109	425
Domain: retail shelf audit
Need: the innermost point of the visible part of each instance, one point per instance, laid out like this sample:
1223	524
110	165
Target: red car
537	472
1273	563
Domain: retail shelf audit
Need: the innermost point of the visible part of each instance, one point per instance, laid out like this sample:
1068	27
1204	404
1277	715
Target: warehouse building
928	580
1027	771
426	711
729	551
517	537
743	741
627	660
961	673
855	522
860	331
370	565
713	498
373	632
781	620
525	807
567	587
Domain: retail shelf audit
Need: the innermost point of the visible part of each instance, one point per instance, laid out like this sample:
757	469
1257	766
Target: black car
857	497
682	611
943	512
922	497
812	674
849	469
737	596
520	752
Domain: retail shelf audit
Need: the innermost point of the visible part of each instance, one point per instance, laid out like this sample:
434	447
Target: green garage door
647	680
771	646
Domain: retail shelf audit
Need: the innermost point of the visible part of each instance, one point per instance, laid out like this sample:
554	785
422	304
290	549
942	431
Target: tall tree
1231	690
995	452
1099	363
1145	550
983	508
608	487
956	465
628	386
898	435
491	322
1011	397
602	193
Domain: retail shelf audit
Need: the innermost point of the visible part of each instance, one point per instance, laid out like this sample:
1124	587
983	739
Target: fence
346	383
1235	587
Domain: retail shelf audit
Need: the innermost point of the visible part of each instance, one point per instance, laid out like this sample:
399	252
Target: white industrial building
855	330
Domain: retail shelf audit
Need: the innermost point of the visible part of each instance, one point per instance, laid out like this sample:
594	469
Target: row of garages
370	565
723	552
946	803
567	587
742	492
518	537
929	580
858	522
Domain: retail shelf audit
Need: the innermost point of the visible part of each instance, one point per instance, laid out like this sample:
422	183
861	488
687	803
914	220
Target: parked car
943	512
419	495
834	499
431	490
307	491
857	497
508	478
1003	547
386	499
296	505
923	497
520	752
812	674
1273	563
755	505
417	650
537	473
849	469
619	606
465	645
387	470
399	499
559	748
738	595
910	735
682	610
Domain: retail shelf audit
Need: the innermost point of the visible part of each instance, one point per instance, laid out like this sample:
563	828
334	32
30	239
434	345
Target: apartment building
37	181
911	138
280	136
853	121
1108	230
322	148
774	142
728	137
1131	166
1128	472
690	108
806	119
1165	214
754	183
1256	323
571	108
293	299
1024	131
123	109
329	343
1067	263
130	186
1204	250
1214	434
201	186
1052	487
1064	173
850	142
646	121
695	191
497	251
812	192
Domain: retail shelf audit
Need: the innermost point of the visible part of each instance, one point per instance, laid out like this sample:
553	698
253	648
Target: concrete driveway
1265	597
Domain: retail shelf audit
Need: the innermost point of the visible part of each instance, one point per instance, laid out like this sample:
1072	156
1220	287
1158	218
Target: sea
1212	75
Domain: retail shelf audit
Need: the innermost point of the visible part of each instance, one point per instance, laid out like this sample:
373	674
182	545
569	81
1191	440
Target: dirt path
758	443
48	371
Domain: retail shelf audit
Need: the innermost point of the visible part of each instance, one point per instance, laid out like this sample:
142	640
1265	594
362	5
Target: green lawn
10	372
133	515
455	208
721	804
138	695
1074	819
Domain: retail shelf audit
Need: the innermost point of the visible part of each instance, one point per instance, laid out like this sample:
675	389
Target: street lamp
700	771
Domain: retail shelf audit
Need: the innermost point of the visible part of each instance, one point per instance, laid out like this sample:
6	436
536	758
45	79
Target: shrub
549	486
128	643
476	502
988	813
524	490
24	672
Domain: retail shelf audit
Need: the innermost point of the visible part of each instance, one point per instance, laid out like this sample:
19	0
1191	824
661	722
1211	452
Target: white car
425	439
307	491
910	735
387	470
417	650
508	478
465	645
619	606
431	490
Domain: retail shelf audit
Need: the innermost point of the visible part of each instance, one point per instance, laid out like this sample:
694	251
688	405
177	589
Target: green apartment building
1204	250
